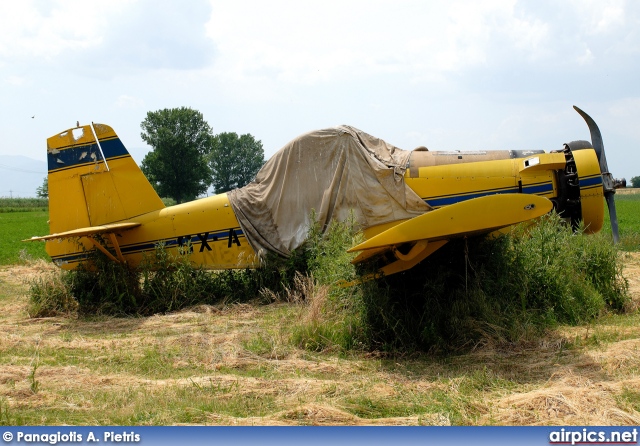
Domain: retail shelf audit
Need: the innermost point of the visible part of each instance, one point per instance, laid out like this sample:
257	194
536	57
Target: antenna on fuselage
99	146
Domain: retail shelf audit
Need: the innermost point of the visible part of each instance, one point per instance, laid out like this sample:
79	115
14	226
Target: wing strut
104	250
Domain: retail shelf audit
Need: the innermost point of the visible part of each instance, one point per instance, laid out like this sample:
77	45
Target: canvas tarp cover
333	172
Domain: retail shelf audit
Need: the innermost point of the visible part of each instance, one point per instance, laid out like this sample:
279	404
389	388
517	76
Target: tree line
186	158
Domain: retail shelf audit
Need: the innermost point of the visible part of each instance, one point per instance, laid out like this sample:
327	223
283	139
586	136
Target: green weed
102	286
163	282
334	318
34	384
629	398
366	407
5	419
504	289
50	295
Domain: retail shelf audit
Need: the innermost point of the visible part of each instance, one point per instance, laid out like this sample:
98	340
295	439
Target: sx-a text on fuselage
408	203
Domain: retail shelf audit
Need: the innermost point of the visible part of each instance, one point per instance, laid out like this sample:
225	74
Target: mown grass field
235	364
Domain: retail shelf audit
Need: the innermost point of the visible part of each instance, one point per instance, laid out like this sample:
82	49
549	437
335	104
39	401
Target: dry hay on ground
547	384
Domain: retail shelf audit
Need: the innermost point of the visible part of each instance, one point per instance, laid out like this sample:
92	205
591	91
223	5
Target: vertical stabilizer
93	180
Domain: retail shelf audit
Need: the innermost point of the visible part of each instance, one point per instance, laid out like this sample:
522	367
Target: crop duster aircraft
100	199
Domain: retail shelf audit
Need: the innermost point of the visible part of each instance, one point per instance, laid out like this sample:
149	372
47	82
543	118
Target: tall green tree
635	182
181	141
234	160
43	191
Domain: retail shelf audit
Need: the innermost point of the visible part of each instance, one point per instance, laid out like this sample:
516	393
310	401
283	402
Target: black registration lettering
233	238
205	244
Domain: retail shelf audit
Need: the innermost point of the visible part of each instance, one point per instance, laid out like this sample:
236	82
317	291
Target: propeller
607	179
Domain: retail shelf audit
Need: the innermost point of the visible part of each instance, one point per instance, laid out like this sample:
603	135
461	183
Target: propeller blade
613	216
596	139
608	182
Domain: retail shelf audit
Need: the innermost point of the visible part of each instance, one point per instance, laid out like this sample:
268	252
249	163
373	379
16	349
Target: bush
334	317
163	282
504	289
102	286
50	295
509	288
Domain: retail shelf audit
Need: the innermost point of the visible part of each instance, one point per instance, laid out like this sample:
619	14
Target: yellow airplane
100	199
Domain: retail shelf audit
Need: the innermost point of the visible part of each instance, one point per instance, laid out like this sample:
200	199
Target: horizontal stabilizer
83	232
472	217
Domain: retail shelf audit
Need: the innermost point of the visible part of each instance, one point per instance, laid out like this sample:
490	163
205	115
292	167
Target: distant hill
20	176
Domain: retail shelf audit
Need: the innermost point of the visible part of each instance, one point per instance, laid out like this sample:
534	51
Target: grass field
17	226
235	365
628	210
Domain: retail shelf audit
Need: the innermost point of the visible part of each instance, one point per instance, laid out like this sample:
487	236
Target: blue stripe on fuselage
187	238
219	236
543	188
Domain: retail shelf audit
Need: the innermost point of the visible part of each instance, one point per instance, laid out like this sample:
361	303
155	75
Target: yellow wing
426	233
83	232
110	230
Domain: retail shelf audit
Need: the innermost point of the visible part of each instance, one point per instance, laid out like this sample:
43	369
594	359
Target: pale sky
454	75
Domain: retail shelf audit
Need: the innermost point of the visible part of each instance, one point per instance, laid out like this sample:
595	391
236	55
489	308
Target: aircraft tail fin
93	180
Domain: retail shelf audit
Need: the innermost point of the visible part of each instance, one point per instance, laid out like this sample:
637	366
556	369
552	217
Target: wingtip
35	238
